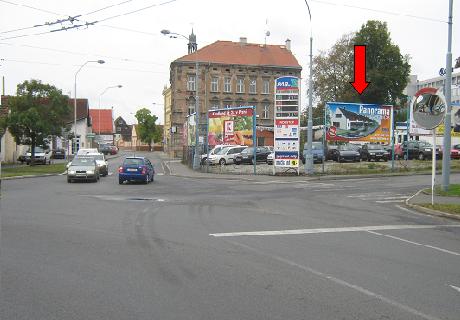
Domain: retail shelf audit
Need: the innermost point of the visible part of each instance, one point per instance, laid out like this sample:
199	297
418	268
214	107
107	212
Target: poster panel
347	122
232	126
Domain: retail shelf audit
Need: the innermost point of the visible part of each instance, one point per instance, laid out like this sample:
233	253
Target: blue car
136	169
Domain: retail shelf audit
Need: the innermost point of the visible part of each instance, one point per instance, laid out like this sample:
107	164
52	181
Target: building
123	133
83	122
231	74
168	130
102	125
438	82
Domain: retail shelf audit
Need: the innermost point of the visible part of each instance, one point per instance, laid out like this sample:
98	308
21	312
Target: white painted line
412	212
403	240
397	197
159	174
329	230
389	201
161	200
443	250
455	288
341	282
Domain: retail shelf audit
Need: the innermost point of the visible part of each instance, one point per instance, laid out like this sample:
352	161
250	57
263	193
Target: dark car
317	151
136	169
330	151
420	150
105	149
58	154
346	153
247	155
374	152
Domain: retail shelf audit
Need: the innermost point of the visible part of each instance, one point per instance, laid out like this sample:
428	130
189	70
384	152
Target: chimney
243	40
288	44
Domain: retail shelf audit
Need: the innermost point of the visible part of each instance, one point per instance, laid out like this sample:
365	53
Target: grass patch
454	191
33	170
449	208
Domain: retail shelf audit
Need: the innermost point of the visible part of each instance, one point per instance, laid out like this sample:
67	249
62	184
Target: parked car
83	169
247	155
420	150
58	154
113	150
84	151
215	150
455	152
225	155
101	162
317	150
41	156
345	153
136	169
330	151
374	152
105	149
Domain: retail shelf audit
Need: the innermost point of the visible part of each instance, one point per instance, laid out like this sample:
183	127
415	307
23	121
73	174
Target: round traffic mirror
428	108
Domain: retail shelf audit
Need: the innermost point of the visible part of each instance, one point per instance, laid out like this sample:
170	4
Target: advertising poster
286	124
231	126
191	130
454	124
358	122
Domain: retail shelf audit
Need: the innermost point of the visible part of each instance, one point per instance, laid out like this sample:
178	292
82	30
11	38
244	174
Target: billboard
231	126
191	130
358	122
454	123
286	122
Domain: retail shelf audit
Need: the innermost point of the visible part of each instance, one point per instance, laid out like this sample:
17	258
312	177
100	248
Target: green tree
148	131
386	69
37	111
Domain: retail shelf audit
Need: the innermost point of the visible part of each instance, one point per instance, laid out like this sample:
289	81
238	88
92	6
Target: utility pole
447	93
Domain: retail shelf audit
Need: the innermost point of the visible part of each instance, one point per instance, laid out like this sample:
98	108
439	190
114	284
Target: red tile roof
101	120
227	52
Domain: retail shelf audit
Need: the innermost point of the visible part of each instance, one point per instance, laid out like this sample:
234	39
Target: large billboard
286	122
231	126
358	122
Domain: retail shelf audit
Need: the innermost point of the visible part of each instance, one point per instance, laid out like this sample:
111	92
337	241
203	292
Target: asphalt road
186	248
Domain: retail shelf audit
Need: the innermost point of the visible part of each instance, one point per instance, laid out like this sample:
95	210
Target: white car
270	158
81	152
41	156
226	155
214	151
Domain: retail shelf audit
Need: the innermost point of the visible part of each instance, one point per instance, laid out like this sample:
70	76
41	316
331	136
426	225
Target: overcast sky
137	55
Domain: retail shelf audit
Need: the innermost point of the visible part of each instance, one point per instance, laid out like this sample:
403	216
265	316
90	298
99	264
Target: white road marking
455	288
416	243
159	174
396	197
329	230
413	212
161	200
340	282
389	201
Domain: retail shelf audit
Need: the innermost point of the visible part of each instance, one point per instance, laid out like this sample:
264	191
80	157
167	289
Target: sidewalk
421	198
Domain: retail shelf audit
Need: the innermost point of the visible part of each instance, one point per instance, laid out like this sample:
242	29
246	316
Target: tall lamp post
75	103
99	109
192	44
309	169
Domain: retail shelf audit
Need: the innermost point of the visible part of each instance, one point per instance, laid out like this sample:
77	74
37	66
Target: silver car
83	169
100	161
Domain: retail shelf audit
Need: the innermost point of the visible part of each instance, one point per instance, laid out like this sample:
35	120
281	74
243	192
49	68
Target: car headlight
372	153
427	149
90	172
71	171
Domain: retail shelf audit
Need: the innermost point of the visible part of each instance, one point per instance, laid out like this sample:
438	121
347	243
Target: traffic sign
90	135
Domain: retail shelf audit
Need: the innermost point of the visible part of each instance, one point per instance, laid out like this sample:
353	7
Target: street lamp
192	44
309	169
75	102
99	109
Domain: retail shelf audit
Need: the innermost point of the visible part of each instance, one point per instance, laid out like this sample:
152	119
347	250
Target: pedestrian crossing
381	197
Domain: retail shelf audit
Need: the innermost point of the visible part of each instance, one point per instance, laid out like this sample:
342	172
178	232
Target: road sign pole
433	166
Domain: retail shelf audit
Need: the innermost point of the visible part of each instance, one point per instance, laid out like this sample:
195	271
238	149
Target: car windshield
346	148
133	162
82	162
316	145
38	150
96	156
223	151
374	147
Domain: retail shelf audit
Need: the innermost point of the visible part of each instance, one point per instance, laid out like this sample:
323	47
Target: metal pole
392	141
433	166
309	169
447	128
196	160
74	144
254	139
207	141
324	141
408	128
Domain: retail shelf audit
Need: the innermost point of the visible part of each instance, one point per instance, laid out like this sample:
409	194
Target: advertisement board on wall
454	124
286	123
358	122
231	126
191	130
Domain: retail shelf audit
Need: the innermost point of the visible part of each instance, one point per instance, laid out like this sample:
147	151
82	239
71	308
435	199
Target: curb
33	176
428	211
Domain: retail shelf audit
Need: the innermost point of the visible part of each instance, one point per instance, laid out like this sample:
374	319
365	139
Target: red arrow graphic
359	82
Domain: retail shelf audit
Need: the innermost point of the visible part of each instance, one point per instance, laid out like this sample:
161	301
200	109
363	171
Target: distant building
231	74
123	133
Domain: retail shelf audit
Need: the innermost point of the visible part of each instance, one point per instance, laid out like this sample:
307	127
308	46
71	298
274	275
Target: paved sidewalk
421	198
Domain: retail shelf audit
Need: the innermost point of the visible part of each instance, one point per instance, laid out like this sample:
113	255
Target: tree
148	131
37	111
387	70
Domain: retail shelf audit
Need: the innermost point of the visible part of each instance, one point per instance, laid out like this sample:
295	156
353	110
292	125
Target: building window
215	105
227	84
336	124
240	85
214	84
191	107
191	83
266	114
253	85
227	104
266	88
338	115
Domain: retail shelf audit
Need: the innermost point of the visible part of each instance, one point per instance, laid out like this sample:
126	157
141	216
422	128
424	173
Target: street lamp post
75	102
192	42
99	109
309	169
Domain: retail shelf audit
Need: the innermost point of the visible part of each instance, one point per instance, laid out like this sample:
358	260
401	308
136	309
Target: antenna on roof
267	33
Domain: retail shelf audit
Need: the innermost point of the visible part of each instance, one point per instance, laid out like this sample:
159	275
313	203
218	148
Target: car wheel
421	156
405	156
203	161
69	180
222	162
396	156
120	181
147	179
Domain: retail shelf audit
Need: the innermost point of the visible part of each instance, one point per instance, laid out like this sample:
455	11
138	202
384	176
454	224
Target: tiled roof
82	110
101	120
354	116
227	52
